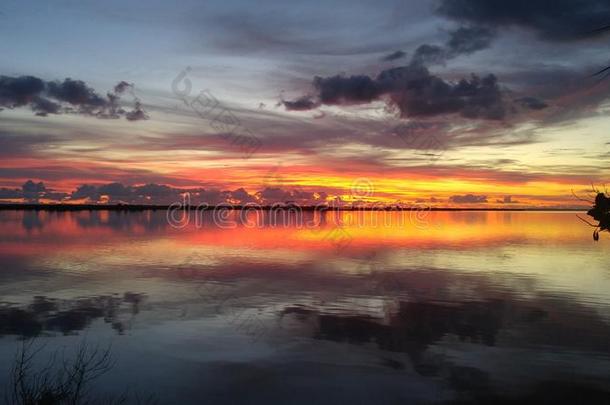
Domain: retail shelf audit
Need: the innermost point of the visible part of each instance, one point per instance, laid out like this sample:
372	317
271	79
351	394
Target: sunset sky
448	103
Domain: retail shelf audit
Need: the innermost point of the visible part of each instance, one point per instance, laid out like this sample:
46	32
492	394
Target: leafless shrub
600	211
62	380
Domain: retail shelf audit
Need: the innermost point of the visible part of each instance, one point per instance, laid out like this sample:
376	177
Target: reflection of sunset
351	243
397	283
330	231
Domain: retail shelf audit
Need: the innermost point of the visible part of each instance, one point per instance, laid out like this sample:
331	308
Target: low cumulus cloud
152	193
118	192
468	199
67	97
163	194
31	191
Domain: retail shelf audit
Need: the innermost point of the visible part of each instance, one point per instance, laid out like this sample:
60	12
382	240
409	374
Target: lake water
354	307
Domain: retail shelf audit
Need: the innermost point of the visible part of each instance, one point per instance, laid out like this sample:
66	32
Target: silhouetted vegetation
61	381
600	213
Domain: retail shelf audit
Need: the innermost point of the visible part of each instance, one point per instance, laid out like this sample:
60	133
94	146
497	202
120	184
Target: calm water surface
363	308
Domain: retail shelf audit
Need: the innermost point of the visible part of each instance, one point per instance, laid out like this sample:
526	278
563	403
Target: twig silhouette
599	212
61	382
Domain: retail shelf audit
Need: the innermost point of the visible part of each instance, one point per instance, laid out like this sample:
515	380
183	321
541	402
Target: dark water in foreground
443	307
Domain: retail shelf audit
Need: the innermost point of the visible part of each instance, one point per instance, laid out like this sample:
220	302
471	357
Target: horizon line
277	206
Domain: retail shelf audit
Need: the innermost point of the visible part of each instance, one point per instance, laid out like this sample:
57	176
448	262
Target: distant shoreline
143	207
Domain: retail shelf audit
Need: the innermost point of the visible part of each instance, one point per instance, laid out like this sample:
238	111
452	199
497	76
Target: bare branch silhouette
65	381
605	70
581	199
600	212
586	222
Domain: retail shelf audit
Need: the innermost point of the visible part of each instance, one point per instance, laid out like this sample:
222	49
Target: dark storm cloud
394	56
65	97
560	20
415	92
